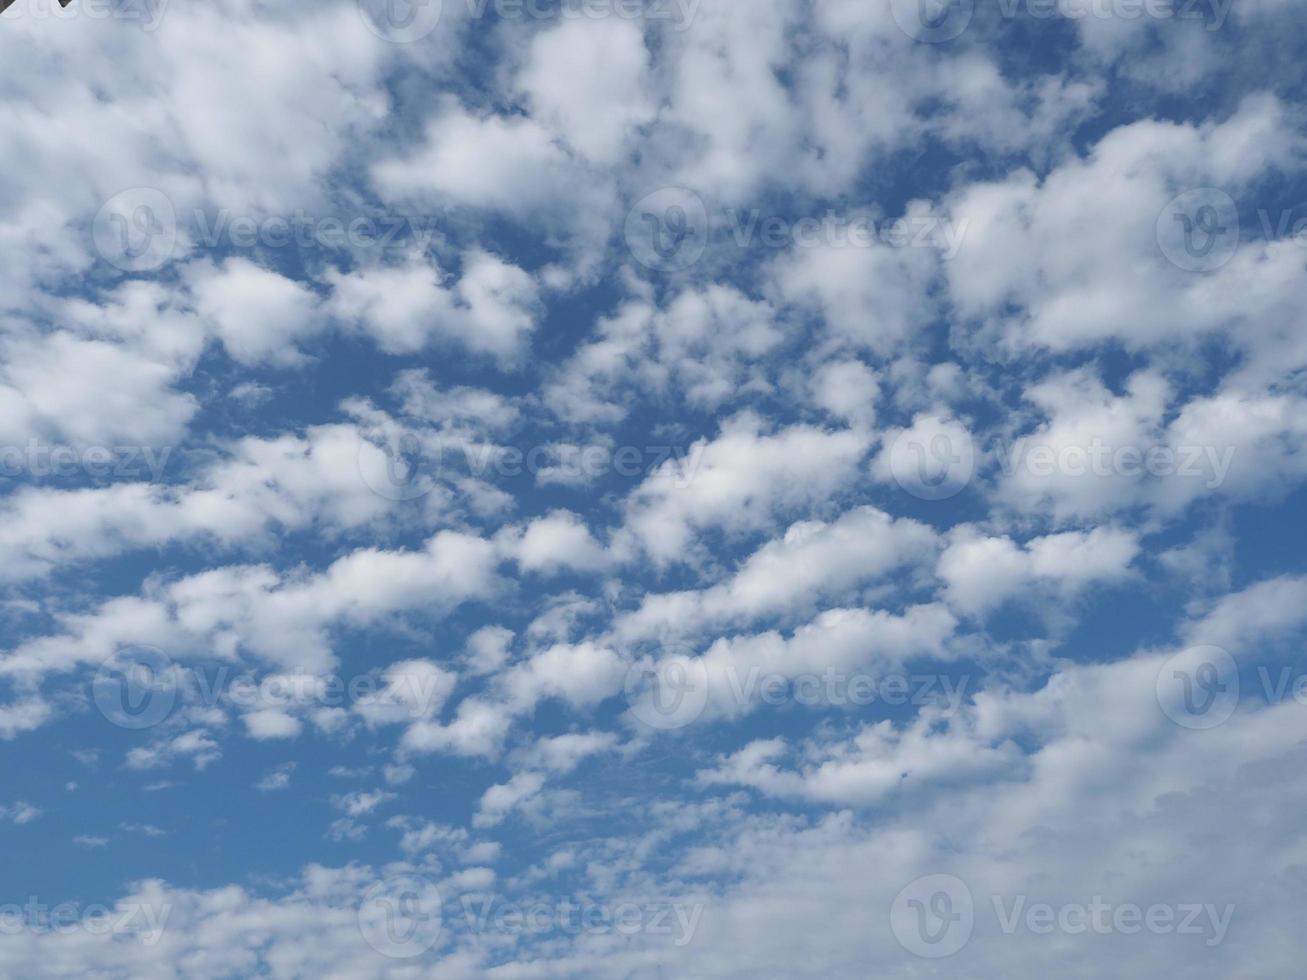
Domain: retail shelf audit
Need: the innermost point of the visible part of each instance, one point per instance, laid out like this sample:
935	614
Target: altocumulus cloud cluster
625	488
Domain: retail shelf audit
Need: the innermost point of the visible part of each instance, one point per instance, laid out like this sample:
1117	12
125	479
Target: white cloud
813	561
981	573
491	309
585	80
740	481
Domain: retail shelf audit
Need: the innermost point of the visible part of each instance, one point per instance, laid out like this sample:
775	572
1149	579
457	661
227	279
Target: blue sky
638	489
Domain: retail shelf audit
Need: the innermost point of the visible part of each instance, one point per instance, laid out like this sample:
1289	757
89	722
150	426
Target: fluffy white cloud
739	482
585	79
813	561
980	572
491	309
